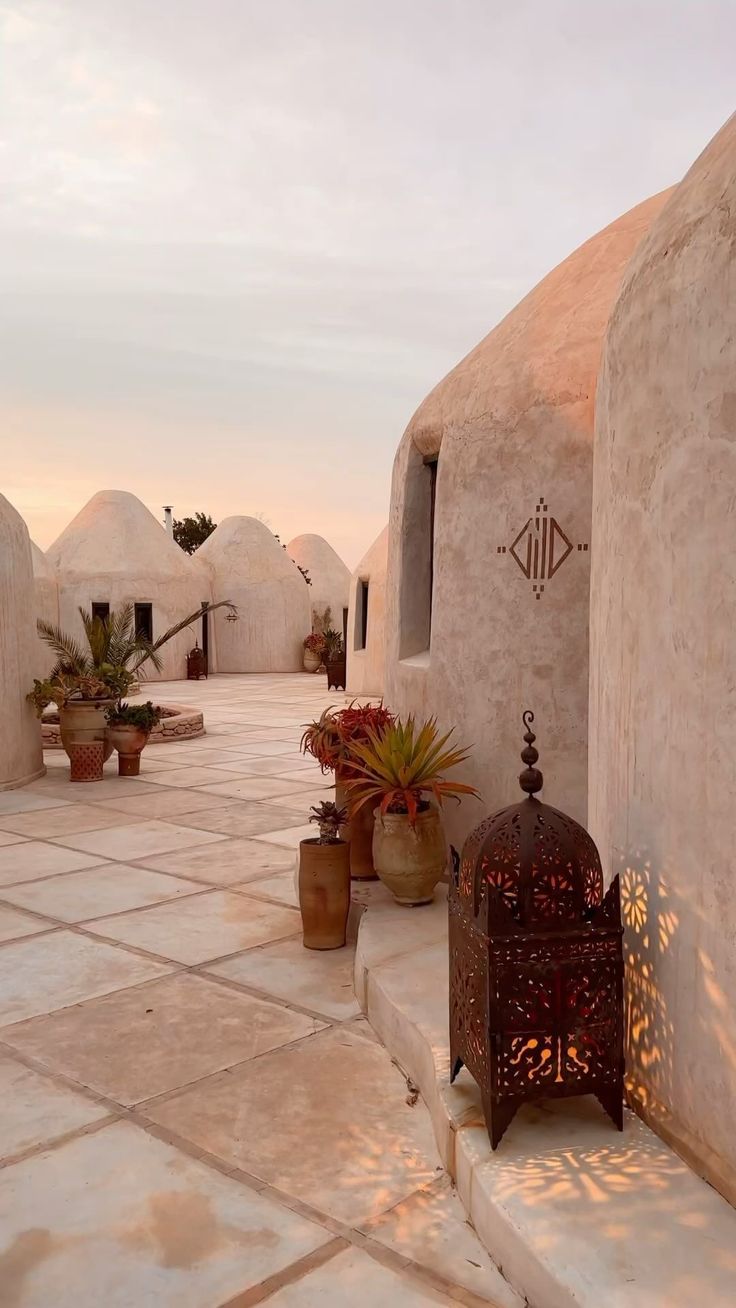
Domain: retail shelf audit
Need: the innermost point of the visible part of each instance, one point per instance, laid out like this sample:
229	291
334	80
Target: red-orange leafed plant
332	738
400	769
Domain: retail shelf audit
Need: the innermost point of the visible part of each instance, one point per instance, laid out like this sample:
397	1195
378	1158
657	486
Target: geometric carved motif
540	548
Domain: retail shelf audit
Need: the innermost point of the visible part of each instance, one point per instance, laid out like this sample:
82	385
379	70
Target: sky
242	239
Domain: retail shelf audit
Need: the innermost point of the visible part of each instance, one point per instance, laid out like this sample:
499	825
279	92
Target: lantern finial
531	779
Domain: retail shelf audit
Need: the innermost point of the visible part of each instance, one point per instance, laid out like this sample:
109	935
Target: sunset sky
243	238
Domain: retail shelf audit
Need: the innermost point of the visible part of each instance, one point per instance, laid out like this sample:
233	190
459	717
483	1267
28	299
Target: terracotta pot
82	721
129	741
86	759
312	660
409	860
359	832
324	893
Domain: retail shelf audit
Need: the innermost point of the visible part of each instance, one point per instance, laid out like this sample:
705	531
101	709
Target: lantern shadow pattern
536	960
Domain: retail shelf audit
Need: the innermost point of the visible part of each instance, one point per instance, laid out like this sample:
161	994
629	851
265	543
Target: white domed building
114	552
663	657
46	594
21	757
249	567
366	642
490	528
329	578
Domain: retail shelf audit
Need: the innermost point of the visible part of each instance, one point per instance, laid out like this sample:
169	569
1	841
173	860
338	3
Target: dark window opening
100	610
431	465
361	634
345	628
206	633
144	621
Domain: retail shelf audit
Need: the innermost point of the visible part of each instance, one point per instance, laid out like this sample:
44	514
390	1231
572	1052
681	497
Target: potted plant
87	679
314	648
324	880
128	729
334	659
401	770
331	740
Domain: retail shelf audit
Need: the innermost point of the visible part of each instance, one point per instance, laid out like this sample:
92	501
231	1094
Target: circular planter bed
178	722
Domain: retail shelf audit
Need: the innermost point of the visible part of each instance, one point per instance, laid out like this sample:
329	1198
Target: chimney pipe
168	520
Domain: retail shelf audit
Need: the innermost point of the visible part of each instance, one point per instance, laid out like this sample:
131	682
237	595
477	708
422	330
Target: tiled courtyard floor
194	1112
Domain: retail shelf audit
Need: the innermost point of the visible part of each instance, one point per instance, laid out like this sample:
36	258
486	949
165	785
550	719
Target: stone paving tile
287	837
138	1043
63	821
114	888
229	862
432	1229
325	1120
270	747
258	788
10	838
306	798
353	1278
43	973
26	800
137	840
243	819
202	927
13	924
195	776
164	804
280	886
259	765
318	979
37	1110
34	858
121	1220
57	786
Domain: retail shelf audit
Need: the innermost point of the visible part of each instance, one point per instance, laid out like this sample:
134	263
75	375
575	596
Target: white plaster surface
366	666
115	551
511	424
329	576
248	567
46	596
663	660
21	757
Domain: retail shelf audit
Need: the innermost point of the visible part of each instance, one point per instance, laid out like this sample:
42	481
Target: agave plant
330	818
401	767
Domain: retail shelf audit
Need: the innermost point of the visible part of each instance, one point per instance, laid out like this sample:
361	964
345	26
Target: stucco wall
512	429
663	657
116	552
366	667
21	757
46	596
248	567
329	577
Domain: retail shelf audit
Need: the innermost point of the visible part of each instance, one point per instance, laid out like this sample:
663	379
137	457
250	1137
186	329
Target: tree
190	533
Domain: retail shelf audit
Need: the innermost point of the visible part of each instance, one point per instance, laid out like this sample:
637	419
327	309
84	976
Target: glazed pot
312	660
324	892
358	831
130	742
82	721
409	859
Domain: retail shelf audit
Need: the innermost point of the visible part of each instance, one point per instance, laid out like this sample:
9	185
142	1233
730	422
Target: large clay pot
129	741
324	893
358	831
409	859
312	660
83	720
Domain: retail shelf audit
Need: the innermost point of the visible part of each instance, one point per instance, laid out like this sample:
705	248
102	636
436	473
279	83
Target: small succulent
330	818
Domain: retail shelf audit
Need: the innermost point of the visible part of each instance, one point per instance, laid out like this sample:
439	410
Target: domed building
247	566
46	593
366	631
489	559
663	657
21	757
114	552
329	577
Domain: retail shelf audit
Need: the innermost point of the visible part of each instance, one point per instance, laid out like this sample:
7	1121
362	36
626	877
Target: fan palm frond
150	651
71	656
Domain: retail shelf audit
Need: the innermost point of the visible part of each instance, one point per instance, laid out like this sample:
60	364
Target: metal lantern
536	960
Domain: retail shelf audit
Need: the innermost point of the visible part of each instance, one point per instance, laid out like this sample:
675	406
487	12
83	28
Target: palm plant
400	767
109	662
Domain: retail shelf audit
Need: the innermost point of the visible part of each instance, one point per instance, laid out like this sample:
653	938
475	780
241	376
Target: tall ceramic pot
130	742
82	721
409	859
324	892
358	830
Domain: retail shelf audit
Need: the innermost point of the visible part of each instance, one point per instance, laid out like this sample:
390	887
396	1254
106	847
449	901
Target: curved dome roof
546	351
116	535
319	558
246	550
375	559
42	568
